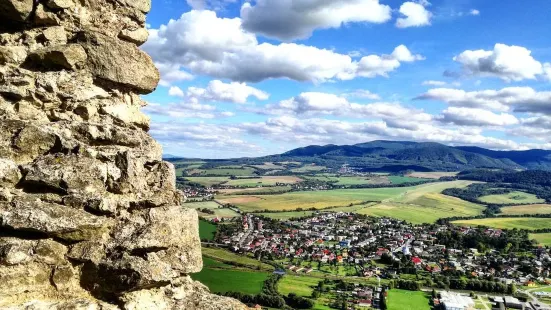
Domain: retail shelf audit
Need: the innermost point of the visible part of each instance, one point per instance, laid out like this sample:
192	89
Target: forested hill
419	156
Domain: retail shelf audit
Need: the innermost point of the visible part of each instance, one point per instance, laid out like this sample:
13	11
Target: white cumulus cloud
476	117
298	19
416	15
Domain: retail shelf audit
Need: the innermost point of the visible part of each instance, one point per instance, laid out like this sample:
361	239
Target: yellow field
528	223
542	239
527	209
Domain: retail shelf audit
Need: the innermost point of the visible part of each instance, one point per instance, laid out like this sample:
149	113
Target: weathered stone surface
137	36
60	4
9	173
70	57
88	209
16	10
120	63
182	294
52	220
12	54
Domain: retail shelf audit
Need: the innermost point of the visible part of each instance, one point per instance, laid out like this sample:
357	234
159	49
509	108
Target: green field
308	168
407	300
312	199
425	204
256	190
528	223
222	280
302	286
291	214
208	181
401	180
512	197
244	171
542	239
226	256
346	180
206	230
263	181
527	209
211	205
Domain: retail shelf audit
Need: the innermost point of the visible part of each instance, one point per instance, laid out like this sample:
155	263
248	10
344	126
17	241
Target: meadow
302	286
311	199
528	223
512	197
407	300
263	181
291	214
527	209
211	205
394	179
425	204
226	256
308	168
223	280
206	230
236	171
346	180
256	190
432	175
208	181
542	239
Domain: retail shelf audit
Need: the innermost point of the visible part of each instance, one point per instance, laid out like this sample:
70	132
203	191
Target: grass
206	230
308	168
256	190
338	180
432	175
512	197
211	205
221	280
401	180
302	286
528	223
407	300
527	209
291	214
269	166
425	204
542	239
208	181
243	171
312	199
264	181
226	256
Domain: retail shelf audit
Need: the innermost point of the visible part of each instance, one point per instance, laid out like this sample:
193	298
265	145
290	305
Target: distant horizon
251	78
170	155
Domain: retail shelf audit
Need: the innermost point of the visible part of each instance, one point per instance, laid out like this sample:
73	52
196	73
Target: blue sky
250	78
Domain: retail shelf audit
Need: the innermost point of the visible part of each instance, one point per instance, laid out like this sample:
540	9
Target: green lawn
527	209
206	230
528	223
344	180
222	280
407	300
202	205
512	197
211	205
302	286
543	239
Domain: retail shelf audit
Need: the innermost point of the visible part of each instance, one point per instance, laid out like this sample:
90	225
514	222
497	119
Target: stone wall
89	214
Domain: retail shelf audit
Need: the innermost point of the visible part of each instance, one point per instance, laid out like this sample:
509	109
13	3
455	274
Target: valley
272	201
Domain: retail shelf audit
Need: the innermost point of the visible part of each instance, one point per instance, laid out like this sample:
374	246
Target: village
402	255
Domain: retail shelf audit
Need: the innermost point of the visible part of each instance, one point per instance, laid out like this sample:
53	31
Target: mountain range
420	156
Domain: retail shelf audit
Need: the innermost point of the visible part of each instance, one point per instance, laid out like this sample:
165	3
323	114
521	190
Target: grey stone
70	57
16	10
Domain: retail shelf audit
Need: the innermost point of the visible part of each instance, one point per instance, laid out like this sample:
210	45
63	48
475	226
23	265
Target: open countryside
527	223
255	216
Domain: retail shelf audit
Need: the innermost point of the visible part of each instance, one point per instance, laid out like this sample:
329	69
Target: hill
401	155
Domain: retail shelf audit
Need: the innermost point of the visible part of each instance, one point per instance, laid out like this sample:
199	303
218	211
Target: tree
382	300
433	293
